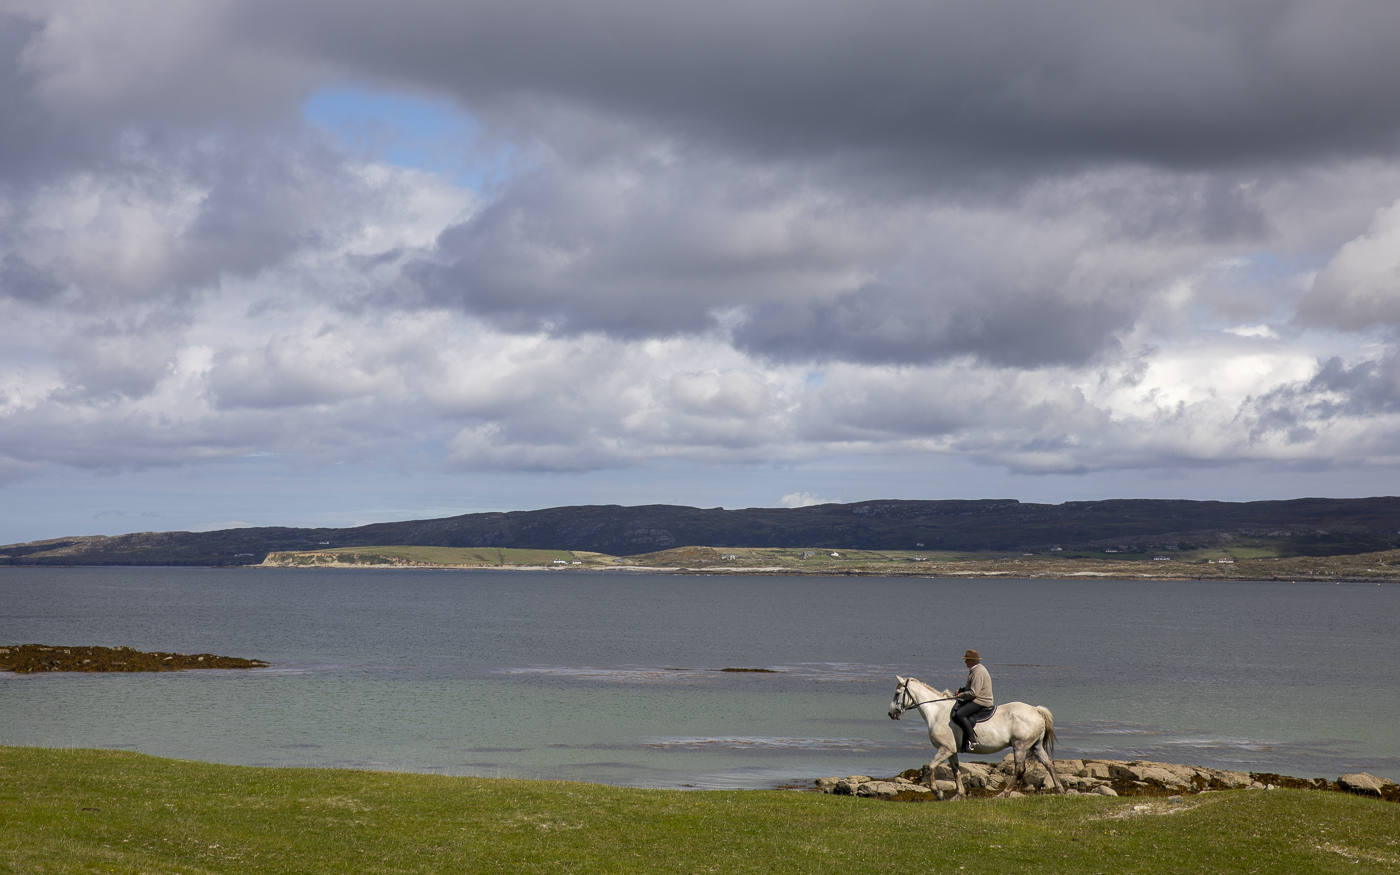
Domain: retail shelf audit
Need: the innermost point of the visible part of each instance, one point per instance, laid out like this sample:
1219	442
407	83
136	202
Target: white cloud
1263	331
189	272
1360	286
801	499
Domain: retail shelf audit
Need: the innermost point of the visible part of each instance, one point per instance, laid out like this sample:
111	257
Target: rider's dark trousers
964	713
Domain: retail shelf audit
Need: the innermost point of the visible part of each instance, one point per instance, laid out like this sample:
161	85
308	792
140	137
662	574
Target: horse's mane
941	694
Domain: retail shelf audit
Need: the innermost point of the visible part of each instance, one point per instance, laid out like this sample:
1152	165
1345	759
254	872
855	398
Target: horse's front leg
943	749
957	774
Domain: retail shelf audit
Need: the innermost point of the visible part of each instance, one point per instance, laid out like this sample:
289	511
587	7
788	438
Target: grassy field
1249	563
428	556
83	811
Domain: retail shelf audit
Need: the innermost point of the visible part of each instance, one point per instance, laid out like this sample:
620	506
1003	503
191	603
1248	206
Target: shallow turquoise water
613	677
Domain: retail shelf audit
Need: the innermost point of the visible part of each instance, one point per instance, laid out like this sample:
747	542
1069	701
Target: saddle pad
984	715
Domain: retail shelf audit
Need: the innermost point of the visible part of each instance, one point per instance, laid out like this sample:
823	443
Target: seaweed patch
34	658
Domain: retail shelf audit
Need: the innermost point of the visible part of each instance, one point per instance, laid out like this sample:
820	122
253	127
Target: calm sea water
613	677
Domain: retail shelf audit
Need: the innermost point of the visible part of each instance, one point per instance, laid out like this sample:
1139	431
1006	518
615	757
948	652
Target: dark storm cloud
1181	82
793	270
20	279
888	325
1337	392
32	140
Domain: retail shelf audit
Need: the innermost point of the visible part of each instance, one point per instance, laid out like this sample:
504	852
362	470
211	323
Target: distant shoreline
923	573
1218	564
790	572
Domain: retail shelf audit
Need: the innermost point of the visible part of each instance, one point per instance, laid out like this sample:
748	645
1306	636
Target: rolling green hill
1302	527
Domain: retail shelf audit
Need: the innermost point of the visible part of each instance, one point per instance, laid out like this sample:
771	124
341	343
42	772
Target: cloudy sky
328	263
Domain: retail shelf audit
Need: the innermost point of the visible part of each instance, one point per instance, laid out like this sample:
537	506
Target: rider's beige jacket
979	683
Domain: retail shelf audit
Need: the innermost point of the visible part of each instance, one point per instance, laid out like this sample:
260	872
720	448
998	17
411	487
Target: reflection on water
769	743
817	671
618	678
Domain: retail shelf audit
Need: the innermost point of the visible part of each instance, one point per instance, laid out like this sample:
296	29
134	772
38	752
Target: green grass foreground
86	811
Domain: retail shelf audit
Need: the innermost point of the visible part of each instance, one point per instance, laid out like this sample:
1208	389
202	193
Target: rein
905	692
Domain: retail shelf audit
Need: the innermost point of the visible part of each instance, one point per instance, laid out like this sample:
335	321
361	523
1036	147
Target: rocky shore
1101	777
33	658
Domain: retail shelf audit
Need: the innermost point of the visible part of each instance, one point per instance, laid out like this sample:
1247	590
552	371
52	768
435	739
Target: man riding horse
973	699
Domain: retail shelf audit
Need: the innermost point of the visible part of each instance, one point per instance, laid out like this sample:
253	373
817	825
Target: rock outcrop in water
33	658
1101	777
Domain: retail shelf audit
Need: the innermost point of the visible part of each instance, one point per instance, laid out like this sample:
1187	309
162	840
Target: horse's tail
1048	739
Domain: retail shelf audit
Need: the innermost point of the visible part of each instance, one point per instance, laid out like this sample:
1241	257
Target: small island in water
34	658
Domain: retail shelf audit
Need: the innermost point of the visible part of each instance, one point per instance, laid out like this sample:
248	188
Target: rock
1070	791
975	774
1175	799
1168	778
1159	775
1218	779
28	658
1137	777
974	769
1095	770
1015	794
1363	783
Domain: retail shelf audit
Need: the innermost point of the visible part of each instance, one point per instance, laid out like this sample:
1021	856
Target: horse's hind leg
1018	775
1039	750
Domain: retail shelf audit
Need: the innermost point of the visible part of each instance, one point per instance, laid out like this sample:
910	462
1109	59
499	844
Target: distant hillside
1305	527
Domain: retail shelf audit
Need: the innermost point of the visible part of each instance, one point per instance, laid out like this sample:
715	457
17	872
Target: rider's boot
969	739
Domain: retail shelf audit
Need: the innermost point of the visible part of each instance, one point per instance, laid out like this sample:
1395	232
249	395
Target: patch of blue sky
1284	278
432	134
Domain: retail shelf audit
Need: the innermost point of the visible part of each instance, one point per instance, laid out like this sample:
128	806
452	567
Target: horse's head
911	693
902	700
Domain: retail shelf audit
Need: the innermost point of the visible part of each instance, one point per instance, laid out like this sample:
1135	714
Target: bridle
903	692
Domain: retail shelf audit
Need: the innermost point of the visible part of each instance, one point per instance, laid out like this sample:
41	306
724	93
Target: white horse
1021	727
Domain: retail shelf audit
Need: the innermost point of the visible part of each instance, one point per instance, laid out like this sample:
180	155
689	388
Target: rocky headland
1101	777
34	658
